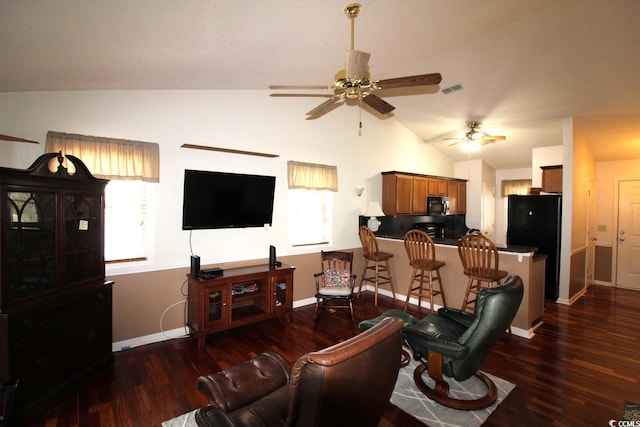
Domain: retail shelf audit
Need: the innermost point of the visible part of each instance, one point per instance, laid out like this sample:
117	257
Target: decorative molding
228	150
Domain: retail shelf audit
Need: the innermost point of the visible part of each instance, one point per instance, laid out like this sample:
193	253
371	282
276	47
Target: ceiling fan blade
300	95
298	87
494	137
325	106
378	104
419	80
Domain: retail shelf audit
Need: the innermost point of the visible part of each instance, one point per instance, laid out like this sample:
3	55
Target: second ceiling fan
354	81
474	136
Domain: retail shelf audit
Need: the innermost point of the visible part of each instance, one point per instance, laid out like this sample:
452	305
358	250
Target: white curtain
110	158
312	176
518	187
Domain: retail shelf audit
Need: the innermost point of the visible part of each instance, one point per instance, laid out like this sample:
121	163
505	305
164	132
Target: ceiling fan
354	81
474	138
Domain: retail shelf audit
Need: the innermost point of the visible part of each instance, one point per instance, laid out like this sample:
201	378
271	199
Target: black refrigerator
536	221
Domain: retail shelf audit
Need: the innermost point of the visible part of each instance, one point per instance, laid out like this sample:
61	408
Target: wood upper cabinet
457	193
419	195
437	187
396	194
552	179
406	193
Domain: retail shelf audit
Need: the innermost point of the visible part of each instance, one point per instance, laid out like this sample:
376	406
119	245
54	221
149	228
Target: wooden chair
480	262
335	283
426	268
376	264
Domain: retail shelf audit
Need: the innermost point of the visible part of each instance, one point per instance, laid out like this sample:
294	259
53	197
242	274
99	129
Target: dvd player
210	273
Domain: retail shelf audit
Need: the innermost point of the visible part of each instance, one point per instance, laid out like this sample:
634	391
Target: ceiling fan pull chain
360	116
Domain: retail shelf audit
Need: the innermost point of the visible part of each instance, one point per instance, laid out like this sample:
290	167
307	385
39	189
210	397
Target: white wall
245	120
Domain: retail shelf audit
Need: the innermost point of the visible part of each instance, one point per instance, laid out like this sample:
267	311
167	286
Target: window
129	218
310	214
310	217
132	168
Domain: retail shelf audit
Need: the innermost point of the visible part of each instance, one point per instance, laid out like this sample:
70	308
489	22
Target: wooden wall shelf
16	139
228	150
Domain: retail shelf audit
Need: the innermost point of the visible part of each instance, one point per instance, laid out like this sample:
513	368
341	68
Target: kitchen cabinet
55	305
419	195
437	187
457	193
239	297
552	179
406	193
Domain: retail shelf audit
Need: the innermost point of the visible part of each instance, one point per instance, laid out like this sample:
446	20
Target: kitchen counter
519	260
453	241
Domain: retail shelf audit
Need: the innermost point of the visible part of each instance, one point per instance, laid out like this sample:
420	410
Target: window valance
312	176
110	158
518	187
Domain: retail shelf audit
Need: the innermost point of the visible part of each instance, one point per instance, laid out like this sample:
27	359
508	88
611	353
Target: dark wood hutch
55	306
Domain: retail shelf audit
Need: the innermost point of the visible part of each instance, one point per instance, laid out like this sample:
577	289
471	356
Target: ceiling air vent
451	89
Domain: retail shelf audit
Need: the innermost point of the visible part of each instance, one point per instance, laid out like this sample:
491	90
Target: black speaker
195	266
272	256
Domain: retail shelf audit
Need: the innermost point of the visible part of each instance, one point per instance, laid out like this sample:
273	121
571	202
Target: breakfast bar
522	261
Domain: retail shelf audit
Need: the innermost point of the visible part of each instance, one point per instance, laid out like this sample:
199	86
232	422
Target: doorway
628	235
488	214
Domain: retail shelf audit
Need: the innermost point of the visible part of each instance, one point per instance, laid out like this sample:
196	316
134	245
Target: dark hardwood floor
581	366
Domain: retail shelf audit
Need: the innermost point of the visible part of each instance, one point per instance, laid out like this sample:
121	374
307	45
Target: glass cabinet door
282	292
29	238
215	305
83	229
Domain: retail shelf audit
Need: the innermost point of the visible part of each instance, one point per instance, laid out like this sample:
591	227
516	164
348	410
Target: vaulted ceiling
522	65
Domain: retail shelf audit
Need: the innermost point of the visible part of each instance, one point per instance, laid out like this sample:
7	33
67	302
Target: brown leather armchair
348	384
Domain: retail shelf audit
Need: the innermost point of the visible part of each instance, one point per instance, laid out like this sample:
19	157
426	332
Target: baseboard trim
149	339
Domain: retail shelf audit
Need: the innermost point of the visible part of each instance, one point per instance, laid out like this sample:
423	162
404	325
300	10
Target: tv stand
240	296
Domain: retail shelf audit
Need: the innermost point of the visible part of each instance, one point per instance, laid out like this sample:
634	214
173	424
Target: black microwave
437	205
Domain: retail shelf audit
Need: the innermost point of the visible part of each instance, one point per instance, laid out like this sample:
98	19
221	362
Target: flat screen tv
226	200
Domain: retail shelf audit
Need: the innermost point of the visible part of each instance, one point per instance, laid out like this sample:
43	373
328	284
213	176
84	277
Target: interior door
488	210
628	267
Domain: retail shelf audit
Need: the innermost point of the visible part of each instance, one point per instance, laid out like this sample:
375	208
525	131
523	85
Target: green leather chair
455	343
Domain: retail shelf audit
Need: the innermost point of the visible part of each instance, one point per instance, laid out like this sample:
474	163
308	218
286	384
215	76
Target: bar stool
376	264
480	262
422	257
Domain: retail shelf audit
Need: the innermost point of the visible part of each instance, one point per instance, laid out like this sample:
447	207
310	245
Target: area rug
407	397
410	399
631	411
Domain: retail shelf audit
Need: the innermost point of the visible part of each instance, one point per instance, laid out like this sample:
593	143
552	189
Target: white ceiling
524	65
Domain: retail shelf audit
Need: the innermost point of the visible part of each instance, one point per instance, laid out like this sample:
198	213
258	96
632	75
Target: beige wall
608	176
140	299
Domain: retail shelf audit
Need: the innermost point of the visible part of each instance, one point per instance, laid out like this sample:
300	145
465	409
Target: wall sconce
374	210
358	191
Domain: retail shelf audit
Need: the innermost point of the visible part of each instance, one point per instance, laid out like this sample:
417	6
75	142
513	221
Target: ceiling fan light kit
473	139
354	81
